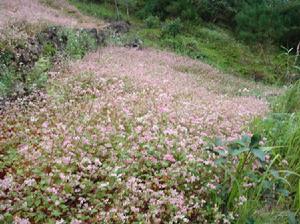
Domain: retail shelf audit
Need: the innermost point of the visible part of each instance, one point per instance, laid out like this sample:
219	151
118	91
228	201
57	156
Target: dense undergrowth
282	131
207	42
24	63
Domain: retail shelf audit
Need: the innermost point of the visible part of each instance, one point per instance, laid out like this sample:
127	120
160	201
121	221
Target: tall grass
282	131
290	101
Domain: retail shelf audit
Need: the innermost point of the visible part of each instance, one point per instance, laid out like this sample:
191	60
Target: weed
49	49
8	78
78	42
281	130
37	77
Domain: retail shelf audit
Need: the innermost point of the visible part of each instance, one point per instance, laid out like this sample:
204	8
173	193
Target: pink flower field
119	137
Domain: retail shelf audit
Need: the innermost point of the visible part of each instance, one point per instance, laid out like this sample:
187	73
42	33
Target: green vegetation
253	177
127	148
219	48
78	43
152	22
37	77
281	130
106	11
7	79
205	41
18	78
273	21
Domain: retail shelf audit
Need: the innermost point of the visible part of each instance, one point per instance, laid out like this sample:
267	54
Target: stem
265	176
127	8
244	163
117	9
297	54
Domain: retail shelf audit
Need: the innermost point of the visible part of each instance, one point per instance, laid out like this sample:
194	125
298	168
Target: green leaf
283	192
246	139
259	154
37	202
56	213
8	217
236	152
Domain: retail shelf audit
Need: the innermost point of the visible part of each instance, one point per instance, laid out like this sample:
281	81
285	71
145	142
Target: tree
258	21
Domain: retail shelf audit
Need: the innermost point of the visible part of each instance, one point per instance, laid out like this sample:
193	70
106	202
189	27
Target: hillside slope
120	136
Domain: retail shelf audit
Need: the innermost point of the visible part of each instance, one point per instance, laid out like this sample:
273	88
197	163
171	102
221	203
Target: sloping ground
119	137
32	11
175	92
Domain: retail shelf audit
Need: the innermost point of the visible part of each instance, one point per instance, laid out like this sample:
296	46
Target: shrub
183	45
172	27
152	22
78	42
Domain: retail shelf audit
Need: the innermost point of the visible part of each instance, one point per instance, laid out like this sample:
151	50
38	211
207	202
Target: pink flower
85	141
75	221
45	124
66	160
23	149
21	221
153	159
170	158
